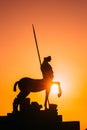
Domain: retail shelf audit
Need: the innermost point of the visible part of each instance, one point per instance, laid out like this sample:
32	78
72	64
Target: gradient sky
61	29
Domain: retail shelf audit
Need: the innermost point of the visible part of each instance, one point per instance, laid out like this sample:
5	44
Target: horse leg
46	100
20	97
15	105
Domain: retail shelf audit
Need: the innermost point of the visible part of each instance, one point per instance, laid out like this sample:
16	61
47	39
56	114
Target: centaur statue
27	85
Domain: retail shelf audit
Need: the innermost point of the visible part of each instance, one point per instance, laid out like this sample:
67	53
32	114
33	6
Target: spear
36	44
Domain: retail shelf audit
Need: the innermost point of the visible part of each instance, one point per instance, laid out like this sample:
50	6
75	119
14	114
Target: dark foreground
30	117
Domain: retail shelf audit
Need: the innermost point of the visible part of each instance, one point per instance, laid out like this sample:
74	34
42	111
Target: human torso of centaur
47	71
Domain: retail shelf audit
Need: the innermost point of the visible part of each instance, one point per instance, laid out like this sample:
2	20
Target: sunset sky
61	30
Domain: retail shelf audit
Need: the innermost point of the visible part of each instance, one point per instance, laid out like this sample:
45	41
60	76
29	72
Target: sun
54	89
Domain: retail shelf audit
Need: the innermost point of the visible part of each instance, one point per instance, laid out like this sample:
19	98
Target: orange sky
61	28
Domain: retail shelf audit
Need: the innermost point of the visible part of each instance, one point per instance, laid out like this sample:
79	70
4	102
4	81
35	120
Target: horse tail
14	89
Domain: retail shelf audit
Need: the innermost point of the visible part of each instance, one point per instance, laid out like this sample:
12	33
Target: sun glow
54	89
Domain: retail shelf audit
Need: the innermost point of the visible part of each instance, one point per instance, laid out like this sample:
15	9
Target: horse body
31	85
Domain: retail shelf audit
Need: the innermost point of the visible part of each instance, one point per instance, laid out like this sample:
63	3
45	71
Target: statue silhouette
27	85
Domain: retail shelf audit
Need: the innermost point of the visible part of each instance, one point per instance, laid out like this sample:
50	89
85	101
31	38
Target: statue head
48	58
